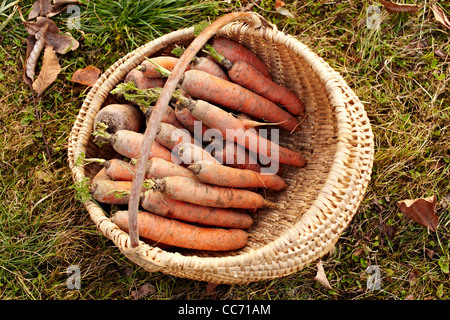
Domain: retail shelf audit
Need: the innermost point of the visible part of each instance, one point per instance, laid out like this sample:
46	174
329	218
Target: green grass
396	72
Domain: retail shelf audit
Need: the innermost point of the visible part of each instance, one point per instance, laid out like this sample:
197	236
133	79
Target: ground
400	71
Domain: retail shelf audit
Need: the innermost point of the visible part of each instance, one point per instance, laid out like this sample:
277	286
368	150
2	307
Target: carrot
191	153
111	192
190	190
204	86
100	175
156	168
160	168
156	202
128	144
181	234
233	129
120	170
235	178
114	117
143	82
203	64
209	66
251	78
148	69
234	51
235	155
172	137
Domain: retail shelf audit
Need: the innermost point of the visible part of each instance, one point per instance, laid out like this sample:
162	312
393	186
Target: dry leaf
60	5
421	210
321	277
143	291
31	42
49	71
87	76
62	43
440	16
279	4
35	52
40	8
397	7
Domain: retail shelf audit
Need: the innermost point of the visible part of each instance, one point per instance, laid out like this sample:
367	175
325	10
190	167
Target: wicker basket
320	200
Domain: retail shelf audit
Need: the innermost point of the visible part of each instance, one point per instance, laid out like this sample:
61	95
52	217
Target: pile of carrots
201	189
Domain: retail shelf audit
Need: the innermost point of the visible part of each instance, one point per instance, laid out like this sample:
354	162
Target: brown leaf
279	4
34	27
49	71
40	8
143	291
440	16
60	5
320	276
421	210
33	56
31	42
87	76
62	43
392	7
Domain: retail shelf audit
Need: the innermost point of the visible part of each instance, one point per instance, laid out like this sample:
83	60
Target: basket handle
251	18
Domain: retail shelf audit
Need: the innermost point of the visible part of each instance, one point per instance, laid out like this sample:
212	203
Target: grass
399	74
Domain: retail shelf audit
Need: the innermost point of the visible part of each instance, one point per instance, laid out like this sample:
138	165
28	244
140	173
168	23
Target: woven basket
321	198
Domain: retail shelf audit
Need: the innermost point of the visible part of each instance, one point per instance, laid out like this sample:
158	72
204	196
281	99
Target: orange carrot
191	153
209	66
172	137
158	203
100	175
120	170
234	155
247	76
234	51
204	86
190	190
114	117
233	129
181	234
160	168
111	192
128	144
149	70
143	82
156	168
224	176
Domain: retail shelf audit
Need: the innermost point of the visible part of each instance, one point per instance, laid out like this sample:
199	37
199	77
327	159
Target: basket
321	199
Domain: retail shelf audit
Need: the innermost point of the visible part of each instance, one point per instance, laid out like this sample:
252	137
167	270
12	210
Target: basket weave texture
321	199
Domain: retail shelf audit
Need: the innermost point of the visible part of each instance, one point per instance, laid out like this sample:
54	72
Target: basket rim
314	219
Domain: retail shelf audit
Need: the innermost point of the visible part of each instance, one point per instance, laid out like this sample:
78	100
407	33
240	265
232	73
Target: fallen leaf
62	43
210	288
412	278
143	291
285	12
279	4
40	8
440	16
49	71
421	210
392	7
86	76
320	276
60	5
31	42
33	57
